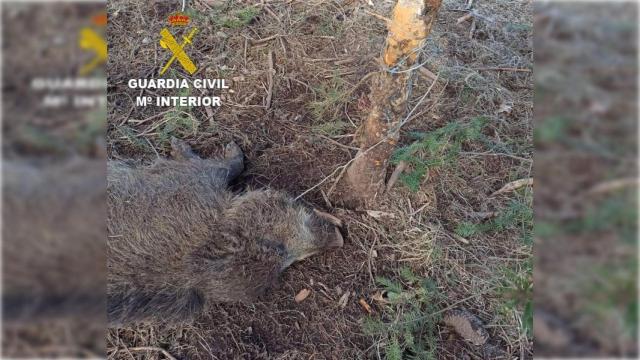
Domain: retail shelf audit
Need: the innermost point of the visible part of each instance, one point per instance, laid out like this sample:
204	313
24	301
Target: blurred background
586	133
53	179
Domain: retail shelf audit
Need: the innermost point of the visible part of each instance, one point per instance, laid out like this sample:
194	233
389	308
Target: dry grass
322	51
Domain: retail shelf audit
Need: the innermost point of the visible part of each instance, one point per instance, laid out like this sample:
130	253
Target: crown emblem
178	19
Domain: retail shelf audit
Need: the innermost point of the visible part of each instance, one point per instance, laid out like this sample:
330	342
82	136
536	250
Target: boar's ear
328	217
235	160
180	150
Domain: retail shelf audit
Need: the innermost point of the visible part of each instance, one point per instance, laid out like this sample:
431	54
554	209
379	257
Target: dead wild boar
53	230
179	240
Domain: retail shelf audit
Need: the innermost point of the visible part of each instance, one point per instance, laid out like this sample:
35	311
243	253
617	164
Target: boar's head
271	219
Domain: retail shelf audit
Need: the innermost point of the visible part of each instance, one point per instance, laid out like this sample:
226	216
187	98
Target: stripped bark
410	24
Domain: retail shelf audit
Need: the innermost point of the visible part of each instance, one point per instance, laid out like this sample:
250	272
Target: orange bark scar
406	30
410	25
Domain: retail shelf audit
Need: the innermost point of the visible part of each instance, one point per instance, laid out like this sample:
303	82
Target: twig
402	165
208	109
153	148
428	73
326	199
460	238
270	77
514	185
464	18
408	117
362	153
473	28
204	3
126	118
419	209
385	19
337	143
153	348
361	82
138	122
346	166
322	59
496	154
503	69
264	40
344	61
370	261
268	9
340	74
246	44
323	180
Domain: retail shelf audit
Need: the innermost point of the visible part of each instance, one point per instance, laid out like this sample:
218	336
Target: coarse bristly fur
179	240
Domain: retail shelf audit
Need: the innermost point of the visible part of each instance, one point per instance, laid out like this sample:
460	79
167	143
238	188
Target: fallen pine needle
152	348
514	185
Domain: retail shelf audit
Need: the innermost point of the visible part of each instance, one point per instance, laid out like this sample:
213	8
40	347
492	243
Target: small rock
303	294
342	302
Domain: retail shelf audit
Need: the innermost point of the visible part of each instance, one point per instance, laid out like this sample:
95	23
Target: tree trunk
410	25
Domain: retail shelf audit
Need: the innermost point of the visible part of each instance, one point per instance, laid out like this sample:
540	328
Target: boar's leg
234	157
180	150
173	306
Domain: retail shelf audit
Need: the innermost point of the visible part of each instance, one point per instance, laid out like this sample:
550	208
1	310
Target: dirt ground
441	225
586	141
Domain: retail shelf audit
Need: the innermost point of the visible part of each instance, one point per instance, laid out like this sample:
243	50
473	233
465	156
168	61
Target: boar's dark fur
179	240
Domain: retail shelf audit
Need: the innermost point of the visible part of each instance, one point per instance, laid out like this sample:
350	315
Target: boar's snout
337	240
